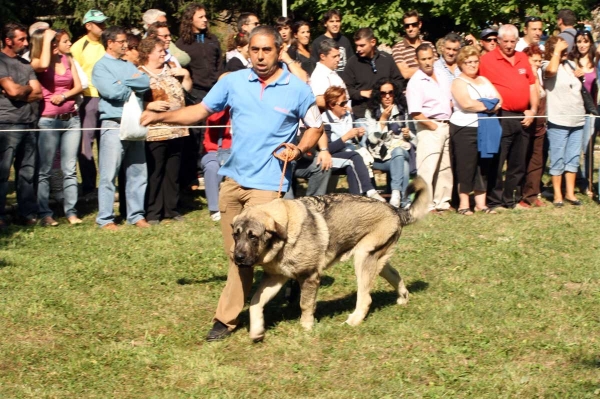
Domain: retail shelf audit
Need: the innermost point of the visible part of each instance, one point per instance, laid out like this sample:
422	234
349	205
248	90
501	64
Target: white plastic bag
130	121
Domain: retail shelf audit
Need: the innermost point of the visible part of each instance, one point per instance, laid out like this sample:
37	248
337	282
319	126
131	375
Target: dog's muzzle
242	261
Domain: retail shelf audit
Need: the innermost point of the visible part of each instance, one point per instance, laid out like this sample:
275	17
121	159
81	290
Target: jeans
565	148
48	142
588	135
399	170
19	147
212	179
132	154
317	178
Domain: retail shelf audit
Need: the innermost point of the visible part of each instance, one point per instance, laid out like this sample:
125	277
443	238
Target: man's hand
529	117
324	159
148	117
366	93
290	152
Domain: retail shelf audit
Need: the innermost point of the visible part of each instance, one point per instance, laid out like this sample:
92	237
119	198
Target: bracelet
64	97
554	54
324	149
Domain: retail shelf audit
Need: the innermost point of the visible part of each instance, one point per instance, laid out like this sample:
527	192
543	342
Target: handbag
130	128
588	101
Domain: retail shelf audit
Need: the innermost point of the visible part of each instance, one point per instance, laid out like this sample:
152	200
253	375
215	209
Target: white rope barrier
324	123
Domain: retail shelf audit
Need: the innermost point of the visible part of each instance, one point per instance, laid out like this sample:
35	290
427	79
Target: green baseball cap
94	16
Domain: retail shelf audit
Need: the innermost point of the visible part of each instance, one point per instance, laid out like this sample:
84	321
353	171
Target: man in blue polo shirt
266	103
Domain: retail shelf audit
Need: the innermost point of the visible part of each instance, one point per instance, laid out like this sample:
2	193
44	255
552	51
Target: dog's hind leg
365	267
268	288
393	277
308	299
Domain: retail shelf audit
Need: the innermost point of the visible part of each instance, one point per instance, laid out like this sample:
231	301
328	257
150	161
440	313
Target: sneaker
201	183
395	200
375	195
48	221
538	203
215	216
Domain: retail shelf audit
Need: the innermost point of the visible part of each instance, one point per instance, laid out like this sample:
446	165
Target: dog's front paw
307	324
257	335
402	299
354	319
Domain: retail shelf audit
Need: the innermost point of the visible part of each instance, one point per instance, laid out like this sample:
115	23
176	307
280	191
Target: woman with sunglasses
469	94
565	119
60	82
343	139
389	140
583	54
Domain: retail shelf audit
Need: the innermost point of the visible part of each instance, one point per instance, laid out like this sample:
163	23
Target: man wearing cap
404	51
87	51
488	40
532	33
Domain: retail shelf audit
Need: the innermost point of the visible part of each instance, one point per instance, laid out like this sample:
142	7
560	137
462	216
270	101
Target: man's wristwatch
324	149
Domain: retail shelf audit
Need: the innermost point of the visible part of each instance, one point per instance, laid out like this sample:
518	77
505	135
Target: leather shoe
218	332
142	223
110	226
48	221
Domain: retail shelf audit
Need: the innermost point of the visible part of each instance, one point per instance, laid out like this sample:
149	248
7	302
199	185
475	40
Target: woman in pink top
60	84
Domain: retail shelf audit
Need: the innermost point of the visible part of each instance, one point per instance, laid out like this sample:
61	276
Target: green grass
502	306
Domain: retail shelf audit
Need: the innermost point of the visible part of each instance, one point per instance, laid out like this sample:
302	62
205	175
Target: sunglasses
491	39
532	19
412	25
386	93
342	103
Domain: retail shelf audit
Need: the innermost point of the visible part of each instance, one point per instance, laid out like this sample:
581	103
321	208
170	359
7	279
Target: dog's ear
280	231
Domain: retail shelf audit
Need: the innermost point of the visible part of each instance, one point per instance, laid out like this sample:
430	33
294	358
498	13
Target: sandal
487	211
464	212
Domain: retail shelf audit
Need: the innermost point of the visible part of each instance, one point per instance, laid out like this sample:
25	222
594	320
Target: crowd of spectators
478	119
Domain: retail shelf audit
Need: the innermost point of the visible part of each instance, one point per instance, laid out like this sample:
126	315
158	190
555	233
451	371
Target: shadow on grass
4	263
591	362
190	281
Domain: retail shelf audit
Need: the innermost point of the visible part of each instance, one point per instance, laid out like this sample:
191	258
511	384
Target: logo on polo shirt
522	71
282	110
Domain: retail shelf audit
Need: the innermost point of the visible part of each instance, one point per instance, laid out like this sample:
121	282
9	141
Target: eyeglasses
373	66
253	23
474	62
120	41
342	103
411	25
491	39
164	36
386	93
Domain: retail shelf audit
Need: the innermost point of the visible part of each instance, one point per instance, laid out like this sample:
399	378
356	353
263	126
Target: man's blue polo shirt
262	117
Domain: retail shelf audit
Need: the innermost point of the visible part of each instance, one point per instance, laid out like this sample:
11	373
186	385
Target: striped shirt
404	52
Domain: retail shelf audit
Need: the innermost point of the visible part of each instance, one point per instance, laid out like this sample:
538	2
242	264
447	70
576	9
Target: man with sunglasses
87	51
488	40
404	51
532	33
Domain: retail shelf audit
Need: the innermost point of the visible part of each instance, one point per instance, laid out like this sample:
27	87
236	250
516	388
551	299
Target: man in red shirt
511	74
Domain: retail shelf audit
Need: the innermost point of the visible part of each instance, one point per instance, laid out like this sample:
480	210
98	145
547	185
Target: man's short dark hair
329	14
282	22
111	33
10	29
568	17
327	45
423	47
452	37
243	19
267	30
412	14
364	33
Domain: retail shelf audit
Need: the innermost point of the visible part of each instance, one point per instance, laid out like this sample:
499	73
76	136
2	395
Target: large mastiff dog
300	238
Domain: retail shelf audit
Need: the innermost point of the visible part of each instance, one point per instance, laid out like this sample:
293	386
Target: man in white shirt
325	75
532	33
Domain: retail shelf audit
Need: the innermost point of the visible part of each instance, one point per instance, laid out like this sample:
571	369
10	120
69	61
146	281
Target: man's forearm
184	116
310	138
424	121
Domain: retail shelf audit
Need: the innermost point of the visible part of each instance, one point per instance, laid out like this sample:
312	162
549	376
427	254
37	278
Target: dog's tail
420	205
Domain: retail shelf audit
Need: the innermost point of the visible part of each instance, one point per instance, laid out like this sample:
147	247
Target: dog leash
285	157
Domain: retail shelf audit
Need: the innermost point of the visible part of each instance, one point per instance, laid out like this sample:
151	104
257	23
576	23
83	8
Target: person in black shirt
332	20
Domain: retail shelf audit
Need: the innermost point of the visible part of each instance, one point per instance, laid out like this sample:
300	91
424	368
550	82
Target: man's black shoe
218	332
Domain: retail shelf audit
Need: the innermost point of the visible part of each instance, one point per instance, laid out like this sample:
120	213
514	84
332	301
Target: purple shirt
425	95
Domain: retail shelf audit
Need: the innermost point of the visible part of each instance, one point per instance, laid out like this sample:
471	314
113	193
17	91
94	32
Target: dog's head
258	238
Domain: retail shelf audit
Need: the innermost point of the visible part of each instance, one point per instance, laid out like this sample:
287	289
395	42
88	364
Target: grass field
502	306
